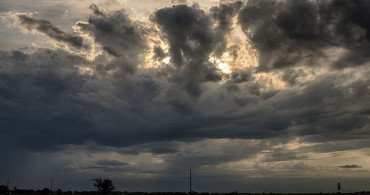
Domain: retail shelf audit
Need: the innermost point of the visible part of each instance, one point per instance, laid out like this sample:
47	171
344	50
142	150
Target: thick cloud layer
288	33
119	36
191	40
116	114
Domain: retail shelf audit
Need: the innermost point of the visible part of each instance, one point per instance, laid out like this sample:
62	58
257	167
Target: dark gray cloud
353	166
281	155
290	75
192	38
29	84
110	163
47	28
154	148
119	36
223	16
288	33
181	115
129	109
159	53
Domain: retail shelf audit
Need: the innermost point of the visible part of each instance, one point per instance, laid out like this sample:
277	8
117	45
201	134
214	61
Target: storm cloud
118	35
288	33
182	90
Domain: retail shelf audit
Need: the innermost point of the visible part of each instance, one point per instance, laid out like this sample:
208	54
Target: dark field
59	192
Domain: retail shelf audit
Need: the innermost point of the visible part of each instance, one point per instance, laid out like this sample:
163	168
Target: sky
257	96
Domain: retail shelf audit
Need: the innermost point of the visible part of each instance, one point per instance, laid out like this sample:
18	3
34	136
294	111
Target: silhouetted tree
105	186
4	189
46	191
59	191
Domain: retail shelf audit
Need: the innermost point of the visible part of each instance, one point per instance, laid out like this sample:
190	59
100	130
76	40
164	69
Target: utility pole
190	182
339	187
51	184
7	183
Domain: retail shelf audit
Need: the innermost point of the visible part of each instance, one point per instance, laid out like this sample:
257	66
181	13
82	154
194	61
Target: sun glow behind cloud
239	53
94	49
154	40
127	98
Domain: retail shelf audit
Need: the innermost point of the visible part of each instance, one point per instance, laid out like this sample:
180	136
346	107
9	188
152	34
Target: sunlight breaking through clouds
251	95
